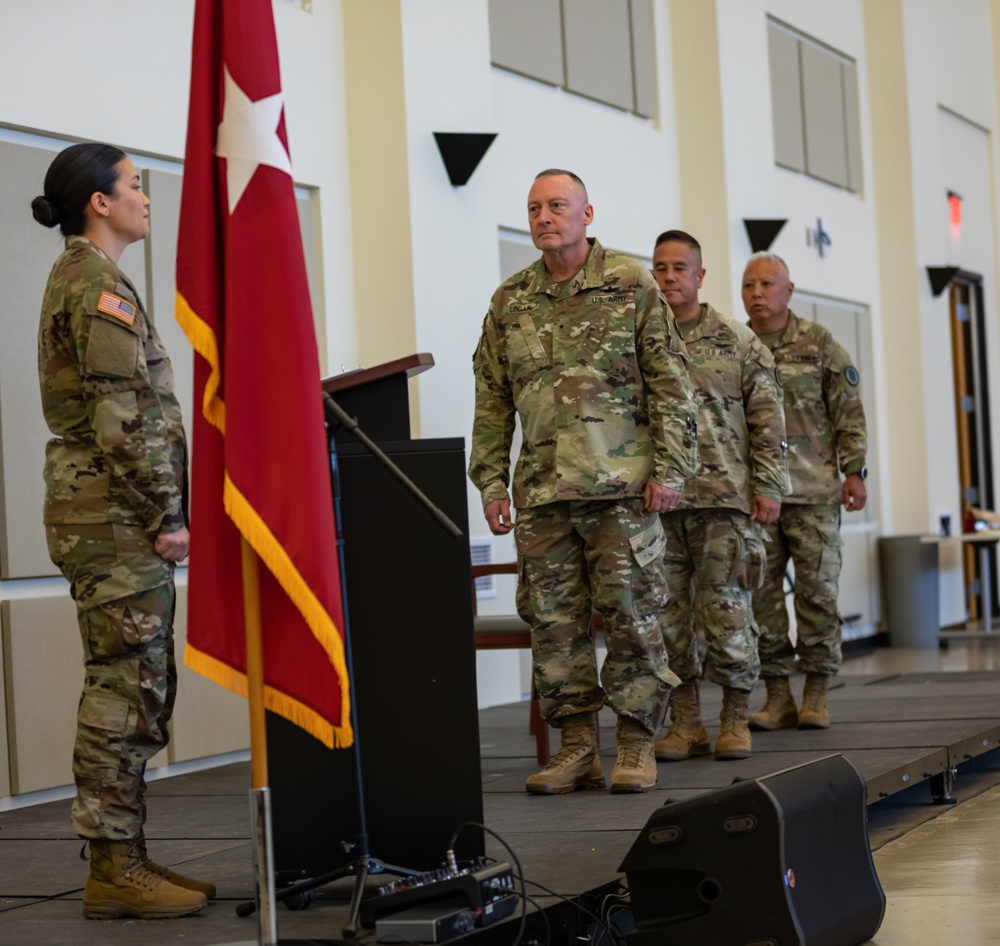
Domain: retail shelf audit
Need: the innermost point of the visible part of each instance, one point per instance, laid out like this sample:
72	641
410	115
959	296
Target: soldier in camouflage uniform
115	518
714	535
580	347
826	434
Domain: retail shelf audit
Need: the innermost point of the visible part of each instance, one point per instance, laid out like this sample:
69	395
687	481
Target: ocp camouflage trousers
595	555
130	680
723	551
810	536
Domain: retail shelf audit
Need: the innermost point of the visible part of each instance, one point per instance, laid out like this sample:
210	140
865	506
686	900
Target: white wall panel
858	582
208	719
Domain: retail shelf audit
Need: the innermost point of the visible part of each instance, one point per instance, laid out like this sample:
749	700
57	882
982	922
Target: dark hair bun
45	212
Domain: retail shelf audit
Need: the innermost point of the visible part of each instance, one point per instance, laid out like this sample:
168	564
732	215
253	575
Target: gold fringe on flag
278	562
333	737
203	340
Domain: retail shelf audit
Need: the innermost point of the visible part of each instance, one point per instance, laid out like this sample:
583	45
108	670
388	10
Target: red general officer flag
260	467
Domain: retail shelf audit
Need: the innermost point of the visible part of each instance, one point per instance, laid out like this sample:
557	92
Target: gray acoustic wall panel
786	99
852	125
823	107
599	50
526	37
160	251
307	203
643	58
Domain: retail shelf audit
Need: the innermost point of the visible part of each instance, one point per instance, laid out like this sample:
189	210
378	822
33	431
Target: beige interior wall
904	438
377	155
701	156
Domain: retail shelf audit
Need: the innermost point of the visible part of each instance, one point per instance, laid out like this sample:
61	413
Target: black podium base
410	600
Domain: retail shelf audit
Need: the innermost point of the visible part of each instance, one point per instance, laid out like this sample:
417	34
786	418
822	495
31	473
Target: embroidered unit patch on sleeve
116	306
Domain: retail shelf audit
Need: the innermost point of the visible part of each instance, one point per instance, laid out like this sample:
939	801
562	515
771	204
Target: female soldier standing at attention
115	518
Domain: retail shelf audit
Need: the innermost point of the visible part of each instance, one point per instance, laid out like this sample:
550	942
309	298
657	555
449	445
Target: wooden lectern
410	621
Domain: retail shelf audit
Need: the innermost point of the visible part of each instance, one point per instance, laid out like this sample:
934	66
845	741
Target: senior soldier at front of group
714	535
581	348
825	425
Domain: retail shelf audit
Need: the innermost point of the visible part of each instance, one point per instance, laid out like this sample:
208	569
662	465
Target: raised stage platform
907	734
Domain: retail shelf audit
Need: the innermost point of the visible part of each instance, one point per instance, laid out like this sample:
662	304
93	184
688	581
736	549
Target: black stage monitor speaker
781	860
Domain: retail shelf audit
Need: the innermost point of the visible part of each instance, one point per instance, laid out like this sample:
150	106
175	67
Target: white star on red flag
248	137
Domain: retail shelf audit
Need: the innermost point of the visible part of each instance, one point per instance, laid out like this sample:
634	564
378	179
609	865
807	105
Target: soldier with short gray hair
580	347
827	438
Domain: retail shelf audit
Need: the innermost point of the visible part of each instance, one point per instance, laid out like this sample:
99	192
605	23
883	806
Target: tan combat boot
121	885
635	768
576	765
686	736
178	880
779	710
814	713
734	735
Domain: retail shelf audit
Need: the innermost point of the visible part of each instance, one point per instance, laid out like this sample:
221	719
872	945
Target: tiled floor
941	879
980	652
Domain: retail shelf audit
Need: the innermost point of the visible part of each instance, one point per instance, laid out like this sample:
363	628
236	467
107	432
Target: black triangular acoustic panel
762	232
940	276
461	153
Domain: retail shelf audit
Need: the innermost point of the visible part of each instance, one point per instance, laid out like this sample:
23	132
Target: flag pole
260	792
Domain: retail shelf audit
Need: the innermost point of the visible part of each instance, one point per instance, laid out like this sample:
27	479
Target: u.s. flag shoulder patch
116	306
